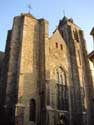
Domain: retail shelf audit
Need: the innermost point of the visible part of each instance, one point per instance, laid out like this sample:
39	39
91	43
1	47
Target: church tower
23	88
81	80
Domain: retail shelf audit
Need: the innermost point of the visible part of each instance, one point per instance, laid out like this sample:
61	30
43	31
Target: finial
29	8
64	12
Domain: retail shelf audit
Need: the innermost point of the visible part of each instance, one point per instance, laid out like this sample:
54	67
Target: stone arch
63	72
62	89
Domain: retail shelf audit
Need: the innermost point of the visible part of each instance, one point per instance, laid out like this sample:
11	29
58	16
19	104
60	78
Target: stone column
42	39
75	94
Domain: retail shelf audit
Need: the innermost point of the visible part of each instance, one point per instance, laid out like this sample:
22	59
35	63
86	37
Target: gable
57	54
56	41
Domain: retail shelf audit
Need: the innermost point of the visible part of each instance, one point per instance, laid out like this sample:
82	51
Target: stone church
45	80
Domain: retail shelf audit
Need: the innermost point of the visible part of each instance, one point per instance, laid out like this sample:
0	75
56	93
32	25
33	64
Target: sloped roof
54	33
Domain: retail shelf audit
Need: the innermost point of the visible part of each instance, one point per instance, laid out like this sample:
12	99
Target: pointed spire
64	19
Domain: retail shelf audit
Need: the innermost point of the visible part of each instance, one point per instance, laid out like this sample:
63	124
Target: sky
81	11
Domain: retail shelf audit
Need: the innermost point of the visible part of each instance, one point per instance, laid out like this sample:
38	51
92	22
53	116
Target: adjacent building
46	80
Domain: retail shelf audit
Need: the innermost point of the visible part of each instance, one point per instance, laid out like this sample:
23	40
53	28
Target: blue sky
82	12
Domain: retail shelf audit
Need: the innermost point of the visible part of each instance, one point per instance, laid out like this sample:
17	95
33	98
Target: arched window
62	90
32	115
61	76
61	46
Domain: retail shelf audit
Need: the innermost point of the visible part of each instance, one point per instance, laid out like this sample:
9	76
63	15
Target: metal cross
64	12
29	8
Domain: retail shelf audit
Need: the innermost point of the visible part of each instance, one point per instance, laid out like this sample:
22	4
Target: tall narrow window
56	45
62	90
32	115
61	46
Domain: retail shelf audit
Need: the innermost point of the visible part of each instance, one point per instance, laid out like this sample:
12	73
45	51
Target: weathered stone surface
50	71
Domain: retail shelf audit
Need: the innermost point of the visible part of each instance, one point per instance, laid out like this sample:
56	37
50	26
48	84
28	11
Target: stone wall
32	67
30	71
57	58
68	30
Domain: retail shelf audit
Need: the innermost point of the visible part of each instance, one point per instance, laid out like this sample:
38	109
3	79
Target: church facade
46	80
